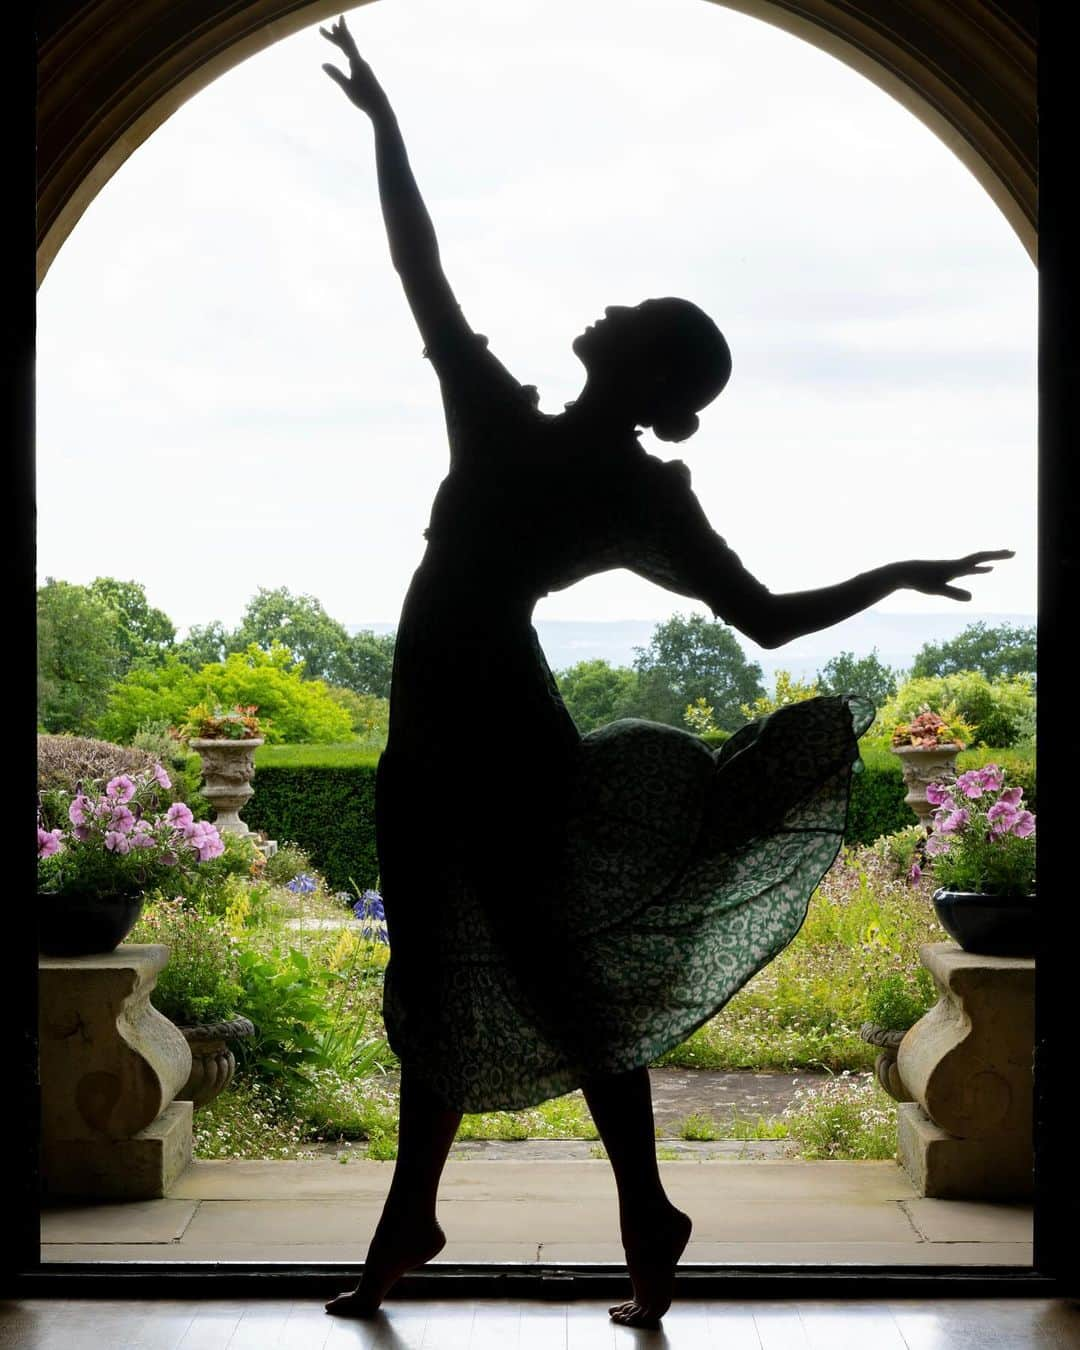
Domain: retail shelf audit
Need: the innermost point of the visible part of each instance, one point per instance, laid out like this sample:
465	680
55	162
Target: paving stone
970	1221
134	1221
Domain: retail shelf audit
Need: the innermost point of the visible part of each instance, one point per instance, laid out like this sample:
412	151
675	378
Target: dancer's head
663	359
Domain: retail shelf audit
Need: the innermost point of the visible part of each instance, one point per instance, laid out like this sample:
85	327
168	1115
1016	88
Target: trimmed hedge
322	797
328	811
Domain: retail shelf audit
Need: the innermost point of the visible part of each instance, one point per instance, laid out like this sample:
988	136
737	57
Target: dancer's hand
360	85
933	578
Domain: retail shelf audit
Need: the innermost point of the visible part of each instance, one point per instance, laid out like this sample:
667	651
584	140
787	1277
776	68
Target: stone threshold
539	1211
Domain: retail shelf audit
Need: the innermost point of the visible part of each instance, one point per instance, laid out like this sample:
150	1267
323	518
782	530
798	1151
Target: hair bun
676	427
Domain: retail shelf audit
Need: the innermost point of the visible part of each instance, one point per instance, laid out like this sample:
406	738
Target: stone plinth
111	1066
968	1065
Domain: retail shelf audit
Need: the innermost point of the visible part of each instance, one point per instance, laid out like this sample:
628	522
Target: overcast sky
231	390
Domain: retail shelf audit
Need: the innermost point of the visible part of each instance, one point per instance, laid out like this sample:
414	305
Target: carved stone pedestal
968	1065
111	1066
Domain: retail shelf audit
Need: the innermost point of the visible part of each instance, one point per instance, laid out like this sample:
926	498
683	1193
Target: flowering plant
118	842
929	729
370	911
213	724
983	840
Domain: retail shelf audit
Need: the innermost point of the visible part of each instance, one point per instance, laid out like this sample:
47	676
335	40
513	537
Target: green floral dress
561	906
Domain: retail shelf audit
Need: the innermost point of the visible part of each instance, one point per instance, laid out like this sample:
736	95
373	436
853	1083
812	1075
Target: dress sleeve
666	537
481	399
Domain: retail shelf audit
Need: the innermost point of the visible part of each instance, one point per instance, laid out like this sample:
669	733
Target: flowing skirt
671	875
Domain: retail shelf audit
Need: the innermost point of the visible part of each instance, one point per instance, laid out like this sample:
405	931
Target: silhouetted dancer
562	909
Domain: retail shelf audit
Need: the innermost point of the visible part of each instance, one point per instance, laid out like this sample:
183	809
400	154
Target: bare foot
652	1251
395	1248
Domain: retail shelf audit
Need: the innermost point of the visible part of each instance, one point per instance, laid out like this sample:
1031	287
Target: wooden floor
940	1324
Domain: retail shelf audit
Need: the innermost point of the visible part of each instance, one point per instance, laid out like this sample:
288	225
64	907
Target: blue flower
370	906
302	884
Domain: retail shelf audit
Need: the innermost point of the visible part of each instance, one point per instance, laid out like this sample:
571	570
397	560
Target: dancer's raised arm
414	248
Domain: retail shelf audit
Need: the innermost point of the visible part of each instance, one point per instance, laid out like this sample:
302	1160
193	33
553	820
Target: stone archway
111	71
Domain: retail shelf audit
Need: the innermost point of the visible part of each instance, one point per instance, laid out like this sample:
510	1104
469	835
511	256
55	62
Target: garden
284	926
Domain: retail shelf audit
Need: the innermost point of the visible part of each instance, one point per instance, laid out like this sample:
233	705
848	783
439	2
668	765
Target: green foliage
849	1117
284	997
344	755
204	644
150	697
897	1000
206	888
993	652
299	623
699	1126
698	716
1000	711
865	676
184	766
200	981
368	713
143	634
787	690
901	849
690	657
329	812
78	657
295	709
368	663
596	693
877	803
288	862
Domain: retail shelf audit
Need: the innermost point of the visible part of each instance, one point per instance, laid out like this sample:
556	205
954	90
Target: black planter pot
71	924
988	925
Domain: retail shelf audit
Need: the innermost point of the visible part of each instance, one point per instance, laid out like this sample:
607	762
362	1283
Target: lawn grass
340	755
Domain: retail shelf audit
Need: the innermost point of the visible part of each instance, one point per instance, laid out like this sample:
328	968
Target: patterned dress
561	906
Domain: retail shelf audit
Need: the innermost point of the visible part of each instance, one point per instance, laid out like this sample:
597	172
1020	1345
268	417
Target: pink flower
914	873
163	779
120	788
140	839
78	809
1023	825
122	820
937	794
116	842
48	842
991	777
1002	811
954	821
81	833
179	816
936	844
1011	796
971	783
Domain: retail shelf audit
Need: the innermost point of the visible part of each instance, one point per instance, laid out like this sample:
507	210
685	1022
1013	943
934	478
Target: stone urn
228	768
922	765
213	1064
885	1066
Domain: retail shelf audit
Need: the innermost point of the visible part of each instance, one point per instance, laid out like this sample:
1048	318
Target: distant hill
897	638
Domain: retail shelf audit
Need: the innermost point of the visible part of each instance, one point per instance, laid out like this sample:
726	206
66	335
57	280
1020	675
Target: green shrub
1001	711
288	862
898	1000
294	708
200	982
327	812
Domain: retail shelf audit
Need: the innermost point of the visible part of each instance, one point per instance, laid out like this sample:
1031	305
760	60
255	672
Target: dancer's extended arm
771	620
414	248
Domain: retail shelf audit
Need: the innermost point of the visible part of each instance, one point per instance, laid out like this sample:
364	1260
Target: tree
787	691
865	676
300	623
204	644
78	656
690	658
368	662
596	693
144	634
1005	650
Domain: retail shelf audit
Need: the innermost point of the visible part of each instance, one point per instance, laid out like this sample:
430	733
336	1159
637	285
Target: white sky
231	392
